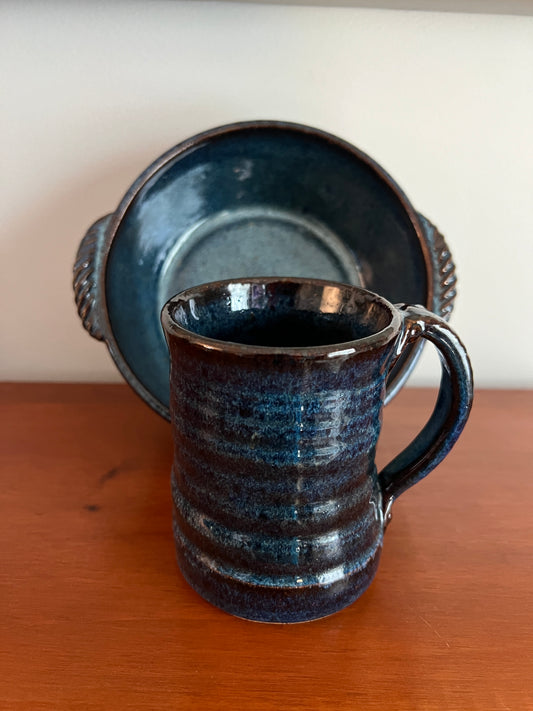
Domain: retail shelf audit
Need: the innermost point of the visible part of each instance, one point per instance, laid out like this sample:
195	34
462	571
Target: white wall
92	92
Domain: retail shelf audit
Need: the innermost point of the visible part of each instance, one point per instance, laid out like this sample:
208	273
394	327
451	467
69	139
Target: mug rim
344	348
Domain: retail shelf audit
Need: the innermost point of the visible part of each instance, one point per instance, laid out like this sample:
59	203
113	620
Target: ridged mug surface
277	507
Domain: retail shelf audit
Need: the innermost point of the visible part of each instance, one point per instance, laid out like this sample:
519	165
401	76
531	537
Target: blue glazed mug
277	390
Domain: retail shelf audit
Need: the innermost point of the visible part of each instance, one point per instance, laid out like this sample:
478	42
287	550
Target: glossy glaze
277	388
255	198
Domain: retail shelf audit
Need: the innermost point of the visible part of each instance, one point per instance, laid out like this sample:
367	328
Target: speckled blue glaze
277	389
252	198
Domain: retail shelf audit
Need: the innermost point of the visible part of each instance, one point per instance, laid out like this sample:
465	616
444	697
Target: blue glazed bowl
260	198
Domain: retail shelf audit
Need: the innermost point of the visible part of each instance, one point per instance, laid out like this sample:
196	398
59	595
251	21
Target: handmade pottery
252	199
277	388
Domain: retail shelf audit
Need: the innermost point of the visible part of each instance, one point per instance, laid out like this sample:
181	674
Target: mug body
277	388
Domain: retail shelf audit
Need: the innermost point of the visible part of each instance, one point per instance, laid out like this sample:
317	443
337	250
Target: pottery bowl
259	198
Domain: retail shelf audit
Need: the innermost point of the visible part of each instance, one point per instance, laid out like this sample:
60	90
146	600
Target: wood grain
95	614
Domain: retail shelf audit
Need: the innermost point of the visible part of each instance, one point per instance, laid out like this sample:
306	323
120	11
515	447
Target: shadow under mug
277	388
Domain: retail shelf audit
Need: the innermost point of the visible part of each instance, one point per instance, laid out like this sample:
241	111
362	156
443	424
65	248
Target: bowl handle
444	277
85	278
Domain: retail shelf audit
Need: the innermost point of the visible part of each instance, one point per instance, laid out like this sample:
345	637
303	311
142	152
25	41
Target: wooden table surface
95	614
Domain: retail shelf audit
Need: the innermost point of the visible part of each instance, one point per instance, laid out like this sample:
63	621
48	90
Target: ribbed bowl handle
444	276
85	278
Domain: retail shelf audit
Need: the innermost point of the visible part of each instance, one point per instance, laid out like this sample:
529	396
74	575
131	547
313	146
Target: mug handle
451	411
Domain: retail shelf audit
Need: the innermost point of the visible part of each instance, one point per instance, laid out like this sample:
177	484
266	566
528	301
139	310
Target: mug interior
281	313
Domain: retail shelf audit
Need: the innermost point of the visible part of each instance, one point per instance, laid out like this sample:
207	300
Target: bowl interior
270	201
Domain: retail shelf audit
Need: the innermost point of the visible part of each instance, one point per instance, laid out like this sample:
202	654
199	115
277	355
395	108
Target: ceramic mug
277	388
